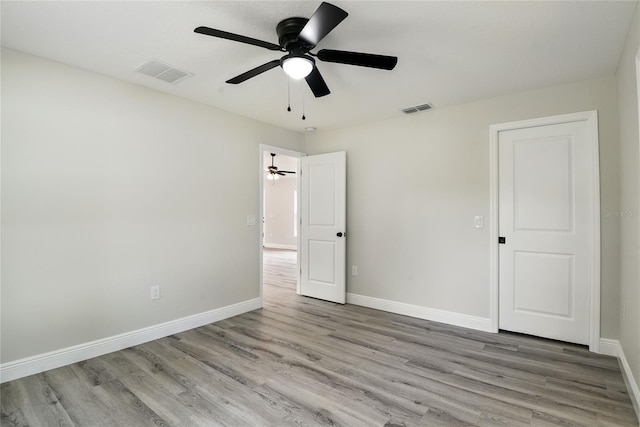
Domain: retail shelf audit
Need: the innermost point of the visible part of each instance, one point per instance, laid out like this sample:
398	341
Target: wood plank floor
304	362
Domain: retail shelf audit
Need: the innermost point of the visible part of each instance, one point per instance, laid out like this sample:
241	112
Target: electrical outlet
354	270
155	292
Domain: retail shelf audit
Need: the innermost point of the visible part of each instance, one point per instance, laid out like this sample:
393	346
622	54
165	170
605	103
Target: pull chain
303	117
288	94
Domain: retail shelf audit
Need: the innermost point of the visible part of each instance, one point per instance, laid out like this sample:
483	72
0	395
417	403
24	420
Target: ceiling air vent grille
162	71
417	108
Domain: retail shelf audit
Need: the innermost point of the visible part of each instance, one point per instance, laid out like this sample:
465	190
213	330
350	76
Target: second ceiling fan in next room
297	37
273	172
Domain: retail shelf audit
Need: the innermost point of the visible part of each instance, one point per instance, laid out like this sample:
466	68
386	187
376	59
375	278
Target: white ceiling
449	52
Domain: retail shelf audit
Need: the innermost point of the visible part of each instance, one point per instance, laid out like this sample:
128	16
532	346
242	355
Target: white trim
284	152
630	381
494	231
66	356
613	348
420	312
609	347
279	246
591	117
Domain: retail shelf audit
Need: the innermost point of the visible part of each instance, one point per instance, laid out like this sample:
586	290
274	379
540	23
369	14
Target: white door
322	232
546	217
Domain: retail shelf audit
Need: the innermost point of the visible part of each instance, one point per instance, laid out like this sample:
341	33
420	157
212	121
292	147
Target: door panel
546	216
545	284
322	255
322	186
322	232
543	198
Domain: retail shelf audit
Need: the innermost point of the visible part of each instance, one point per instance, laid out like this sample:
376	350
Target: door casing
591	118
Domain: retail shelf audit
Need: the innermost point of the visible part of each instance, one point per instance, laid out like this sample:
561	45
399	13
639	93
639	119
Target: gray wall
415	183
630	207
109	188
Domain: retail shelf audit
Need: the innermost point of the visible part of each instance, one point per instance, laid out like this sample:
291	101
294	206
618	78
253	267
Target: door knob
340	234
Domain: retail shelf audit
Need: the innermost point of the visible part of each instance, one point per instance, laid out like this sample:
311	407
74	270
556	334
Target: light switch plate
251	220
478	221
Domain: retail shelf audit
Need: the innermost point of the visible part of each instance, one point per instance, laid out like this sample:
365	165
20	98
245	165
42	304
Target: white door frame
284	152
591	117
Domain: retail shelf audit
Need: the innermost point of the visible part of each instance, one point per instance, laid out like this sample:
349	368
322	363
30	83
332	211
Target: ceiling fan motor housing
288	31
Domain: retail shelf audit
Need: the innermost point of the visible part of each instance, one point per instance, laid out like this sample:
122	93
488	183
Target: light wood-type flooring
304	362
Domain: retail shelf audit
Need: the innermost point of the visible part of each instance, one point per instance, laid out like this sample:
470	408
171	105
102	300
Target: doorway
545	253
320	221
280	214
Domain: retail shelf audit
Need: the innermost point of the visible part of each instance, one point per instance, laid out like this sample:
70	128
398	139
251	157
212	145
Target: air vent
162	71
417	108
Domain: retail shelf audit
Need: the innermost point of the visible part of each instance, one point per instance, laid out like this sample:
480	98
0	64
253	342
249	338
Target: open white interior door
323	234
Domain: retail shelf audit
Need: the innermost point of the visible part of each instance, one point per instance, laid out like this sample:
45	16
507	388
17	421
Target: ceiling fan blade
236	38
280	173
323	20
357	58
252	73
317	83
287	172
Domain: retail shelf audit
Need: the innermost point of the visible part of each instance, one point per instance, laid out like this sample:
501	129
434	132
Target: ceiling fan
297	37
273	172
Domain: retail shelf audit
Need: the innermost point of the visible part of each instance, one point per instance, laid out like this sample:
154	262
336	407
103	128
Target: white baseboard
630	381
613	348
66	356
279	246
609	347
420	312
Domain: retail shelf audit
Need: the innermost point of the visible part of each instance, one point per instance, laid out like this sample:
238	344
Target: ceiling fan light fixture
297	66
